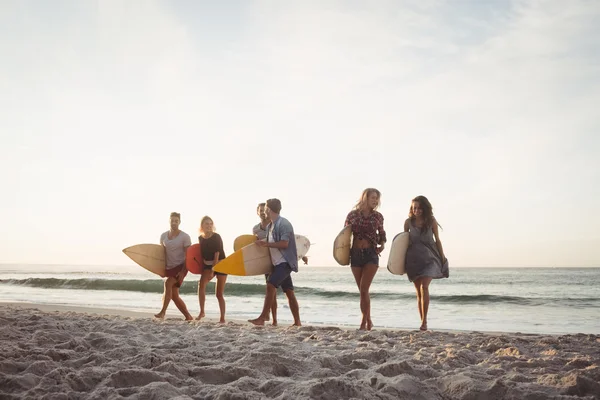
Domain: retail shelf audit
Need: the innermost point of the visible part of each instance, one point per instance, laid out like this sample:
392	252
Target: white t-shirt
276	255
175	247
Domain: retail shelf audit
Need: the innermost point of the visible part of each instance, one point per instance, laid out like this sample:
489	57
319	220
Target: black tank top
210	246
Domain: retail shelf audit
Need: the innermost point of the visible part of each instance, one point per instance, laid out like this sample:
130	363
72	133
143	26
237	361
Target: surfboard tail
232	265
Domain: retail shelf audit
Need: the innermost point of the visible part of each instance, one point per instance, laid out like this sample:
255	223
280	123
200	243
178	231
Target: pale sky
113	114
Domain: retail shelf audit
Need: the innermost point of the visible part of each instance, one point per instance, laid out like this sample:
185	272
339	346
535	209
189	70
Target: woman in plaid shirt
368	242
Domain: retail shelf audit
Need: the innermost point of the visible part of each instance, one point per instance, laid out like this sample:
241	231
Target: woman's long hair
427	211
365	195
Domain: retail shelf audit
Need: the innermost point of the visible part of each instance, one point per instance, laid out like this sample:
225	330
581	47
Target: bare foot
274	322
189	318
160	315
423	326
200	316
258	321
369	324
222	321
363	325
298	323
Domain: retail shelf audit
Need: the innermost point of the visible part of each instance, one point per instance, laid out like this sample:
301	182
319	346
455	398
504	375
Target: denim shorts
362	257
282	276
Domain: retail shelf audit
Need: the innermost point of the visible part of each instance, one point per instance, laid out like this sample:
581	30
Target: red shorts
172	273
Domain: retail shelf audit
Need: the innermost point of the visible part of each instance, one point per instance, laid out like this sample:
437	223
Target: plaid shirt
369	228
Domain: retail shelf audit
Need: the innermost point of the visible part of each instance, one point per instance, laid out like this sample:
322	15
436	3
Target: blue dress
422	257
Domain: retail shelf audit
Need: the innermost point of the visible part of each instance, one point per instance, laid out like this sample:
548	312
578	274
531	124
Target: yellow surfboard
242	241
254	260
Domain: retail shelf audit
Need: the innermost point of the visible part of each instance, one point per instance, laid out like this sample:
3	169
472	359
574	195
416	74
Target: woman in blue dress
425	258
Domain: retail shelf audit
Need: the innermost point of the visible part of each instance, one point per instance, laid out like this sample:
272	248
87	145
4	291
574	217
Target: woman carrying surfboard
368	243
425	258
211	246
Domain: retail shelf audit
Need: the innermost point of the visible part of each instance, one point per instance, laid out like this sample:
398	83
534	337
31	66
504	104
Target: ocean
527	300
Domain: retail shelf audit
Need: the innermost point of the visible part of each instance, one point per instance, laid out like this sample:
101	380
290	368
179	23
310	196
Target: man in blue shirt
281	243
260	231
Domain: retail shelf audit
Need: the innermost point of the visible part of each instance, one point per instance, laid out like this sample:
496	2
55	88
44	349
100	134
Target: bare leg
357	272
166	297
269	296
369	272
267	281
207	275
219	290
294	307
425	300
364	277
274	308
417	283
180	304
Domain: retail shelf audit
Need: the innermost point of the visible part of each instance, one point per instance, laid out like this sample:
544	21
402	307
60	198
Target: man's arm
282	244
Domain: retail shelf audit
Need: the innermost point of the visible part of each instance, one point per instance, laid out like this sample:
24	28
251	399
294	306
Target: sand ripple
52	355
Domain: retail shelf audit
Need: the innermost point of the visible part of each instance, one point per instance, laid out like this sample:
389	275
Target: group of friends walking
425	259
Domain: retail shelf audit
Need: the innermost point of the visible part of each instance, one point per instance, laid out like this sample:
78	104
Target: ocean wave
247	289
127	285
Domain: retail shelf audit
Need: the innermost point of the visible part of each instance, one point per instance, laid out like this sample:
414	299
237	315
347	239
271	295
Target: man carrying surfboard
175	243
281	242
260	231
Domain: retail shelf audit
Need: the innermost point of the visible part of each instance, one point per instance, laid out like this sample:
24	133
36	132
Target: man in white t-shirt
175	242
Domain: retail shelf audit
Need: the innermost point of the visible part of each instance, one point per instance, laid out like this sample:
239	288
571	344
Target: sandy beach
54	352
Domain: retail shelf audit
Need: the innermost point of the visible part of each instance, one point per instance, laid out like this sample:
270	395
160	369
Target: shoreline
483	301
176	317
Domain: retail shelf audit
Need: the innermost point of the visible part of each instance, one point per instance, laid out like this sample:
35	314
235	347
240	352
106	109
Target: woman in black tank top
211	246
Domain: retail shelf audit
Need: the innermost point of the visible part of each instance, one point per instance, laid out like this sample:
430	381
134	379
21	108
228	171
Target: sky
115	114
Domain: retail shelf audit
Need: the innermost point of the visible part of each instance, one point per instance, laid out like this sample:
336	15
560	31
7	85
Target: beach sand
53	352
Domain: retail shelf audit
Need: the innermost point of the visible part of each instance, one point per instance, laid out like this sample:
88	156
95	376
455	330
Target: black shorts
210	267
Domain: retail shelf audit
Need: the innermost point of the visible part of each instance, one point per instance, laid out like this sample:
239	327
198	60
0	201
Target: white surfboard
149	256
254	260
396	261
341	246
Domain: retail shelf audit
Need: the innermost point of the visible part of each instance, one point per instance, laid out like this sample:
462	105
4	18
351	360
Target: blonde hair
203	220
365	195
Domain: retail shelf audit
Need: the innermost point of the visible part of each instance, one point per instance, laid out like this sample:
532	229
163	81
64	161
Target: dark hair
260	205
427	211
175	215
365	195
274	205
